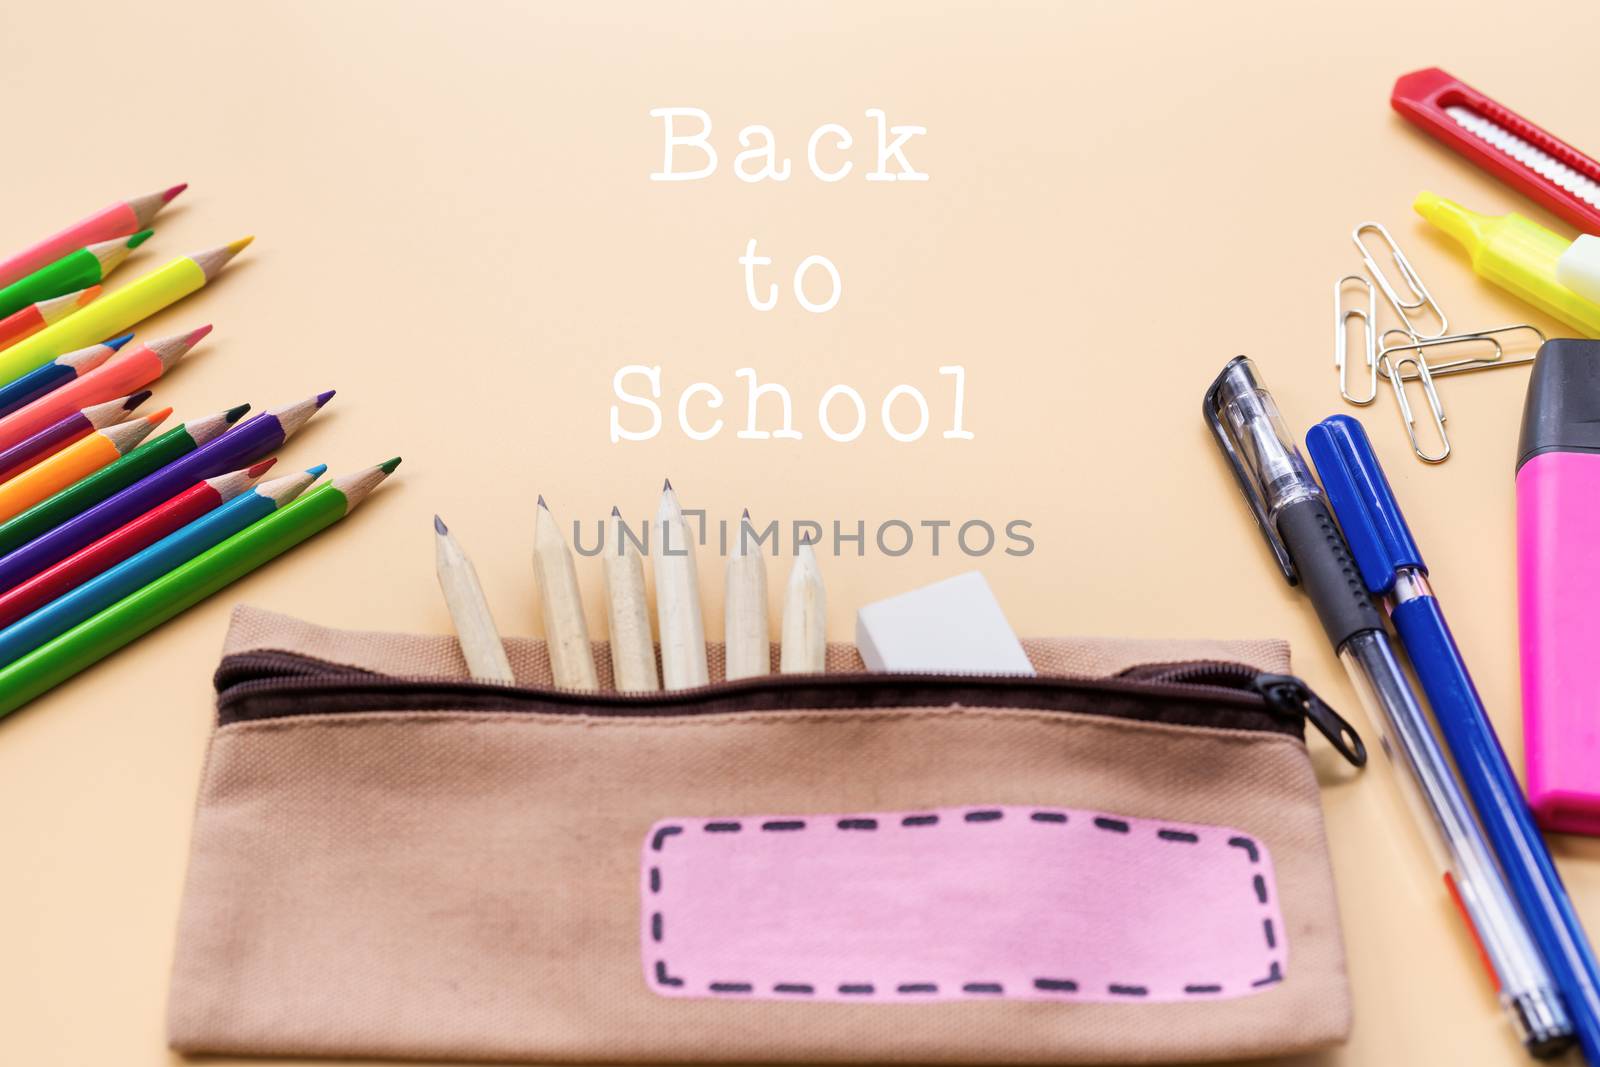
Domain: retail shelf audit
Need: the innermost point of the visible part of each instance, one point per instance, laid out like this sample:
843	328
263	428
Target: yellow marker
75	462
1515	253
115	313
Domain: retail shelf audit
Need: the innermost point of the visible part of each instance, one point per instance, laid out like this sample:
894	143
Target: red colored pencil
35	317
75	427
118	220
125	540
132	368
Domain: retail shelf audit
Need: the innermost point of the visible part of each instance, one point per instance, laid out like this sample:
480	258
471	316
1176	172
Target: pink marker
1558	585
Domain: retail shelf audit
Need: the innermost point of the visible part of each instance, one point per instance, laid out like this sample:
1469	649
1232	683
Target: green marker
183	587
73	271
148	458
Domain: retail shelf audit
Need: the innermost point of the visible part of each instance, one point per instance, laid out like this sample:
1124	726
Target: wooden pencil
633	651
805	616
121	310
566	631
34	319
118	220
87	266
480	640
678	619
74	463
744	614
65	431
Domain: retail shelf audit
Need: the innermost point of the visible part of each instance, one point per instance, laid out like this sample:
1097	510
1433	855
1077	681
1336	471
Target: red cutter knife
1503	143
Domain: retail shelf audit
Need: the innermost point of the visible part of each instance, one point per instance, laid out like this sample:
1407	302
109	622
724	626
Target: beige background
457	231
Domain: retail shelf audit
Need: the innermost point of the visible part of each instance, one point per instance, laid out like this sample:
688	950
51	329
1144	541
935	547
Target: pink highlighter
1558	585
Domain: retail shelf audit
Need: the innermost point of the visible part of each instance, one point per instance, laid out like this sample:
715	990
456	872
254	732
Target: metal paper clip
1420	297
1341	338
1457	366
1425	376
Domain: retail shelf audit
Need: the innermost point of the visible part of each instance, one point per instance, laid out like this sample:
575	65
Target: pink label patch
1015	903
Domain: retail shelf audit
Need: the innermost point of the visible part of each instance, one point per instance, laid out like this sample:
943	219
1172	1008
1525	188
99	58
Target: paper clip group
1424	328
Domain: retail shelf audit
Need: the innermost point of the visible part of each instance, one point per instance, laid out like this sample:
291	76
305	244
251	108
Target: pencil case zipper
1204	693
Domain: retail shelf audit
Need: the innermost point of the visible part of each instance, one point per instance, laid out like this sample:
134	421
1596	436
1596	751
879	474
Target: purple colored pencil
58	435
239	447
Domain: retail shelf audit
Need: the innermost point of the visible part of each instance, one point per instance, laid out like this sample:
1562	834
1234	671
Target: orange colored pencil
73	463
127	372
35	317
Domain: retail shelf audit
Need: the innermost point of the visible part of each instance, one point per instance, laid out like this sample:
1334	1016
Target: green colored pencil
73	271
183	587
148	458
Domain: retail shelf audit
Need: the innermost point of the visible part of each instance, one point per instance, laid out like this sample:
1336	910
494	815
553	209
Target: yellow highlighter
116	312
1516	254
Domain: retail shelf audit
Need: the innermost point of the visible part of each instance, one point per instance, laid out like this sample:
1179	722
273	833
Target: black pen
1293	515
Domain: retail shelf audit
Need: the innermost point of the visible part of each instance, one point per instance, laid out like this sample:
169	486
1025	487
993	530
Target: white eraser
1579	267
950	627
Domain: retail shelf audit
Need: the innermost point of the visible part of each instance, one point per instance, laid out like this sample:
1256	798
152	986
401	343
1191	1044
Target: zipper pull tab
1288	694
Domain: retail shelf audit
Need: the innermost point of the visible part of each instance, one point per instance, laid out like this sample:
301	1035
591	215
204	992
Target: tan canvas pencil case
1121	860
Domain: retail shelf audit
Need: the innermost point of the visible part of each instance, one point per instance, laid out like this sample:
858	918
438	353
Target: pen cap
1362	501
1562	409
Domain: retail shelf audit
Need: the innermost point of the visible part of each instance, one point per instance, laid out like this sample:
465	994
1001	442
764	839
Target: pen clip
1212	410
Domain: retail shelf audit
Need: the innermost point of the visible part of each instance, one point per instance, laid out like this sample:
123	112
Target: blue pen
149	564
1391	567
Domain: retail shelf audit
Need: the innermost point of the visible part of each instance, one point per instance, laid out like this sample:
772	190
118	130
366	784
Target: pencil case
1121	860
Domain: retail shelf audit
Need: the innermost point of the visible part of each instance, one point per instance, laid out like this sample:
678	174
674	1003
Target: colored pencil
74	463
131	370
55	374
633	652
63	432
245	443
566	631
126	540
678	619
148	564
120	310
469	611
805	617
148	458
118	220
746	642
87	266
33	320
183	587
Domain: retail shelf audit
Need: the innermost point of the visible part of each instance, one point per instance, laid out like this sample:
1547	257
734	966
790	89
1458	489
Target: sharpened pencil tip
388	465
746	515
323	398
136	399
159	417
616	512
193	337
139	238
439	527
117	342
542	504
234	414
86	296
169	195
666	485
261	468
235	247
318	471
